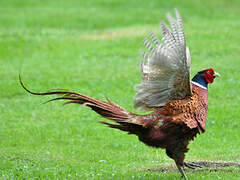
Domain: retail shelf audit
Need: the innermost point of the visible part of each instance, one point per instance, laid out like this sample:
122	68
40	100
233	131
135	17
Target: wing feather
166	69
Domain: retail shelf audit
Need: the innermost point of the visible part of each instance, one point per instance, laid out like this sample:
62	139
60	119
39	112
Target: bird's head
205	77
209	75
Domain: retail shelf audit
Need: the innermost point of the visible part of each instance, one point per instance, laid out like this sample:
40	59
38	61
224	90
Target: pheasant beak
216	74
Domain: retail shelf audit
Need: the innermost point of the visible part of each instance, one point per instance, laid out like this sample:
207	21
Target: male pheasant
178	106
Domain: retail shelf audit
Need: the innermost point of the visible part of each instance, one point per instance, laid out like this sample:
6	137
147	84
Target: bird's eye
208	72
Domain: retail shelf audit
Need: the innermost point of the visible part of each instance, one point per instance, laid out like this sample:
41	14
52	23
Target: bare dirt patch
217	164
205	166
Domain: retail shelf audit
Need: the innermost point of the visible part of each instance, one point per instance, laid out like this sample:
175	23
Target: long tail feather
107	109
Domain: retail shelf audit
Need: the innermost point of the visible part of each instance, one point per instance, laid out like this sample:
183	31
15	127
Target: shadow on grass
205	166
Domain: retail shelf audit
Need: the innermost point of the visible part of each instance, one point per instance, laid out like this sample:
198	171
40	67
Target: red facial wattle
209	75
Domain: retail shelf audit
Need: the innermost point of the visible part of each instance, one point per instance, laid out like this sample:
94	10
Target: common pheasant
178	106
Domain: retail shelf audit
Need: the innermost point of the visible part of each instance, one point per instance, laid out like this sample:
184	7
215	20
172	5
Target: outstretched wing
166	73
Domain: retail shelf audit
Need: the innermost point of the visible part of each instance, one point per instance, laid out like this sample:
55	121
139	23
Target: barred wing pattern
166	73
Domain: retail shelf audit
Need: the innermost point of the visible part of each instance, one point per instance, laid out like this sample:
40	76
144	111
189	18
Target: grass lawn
92	47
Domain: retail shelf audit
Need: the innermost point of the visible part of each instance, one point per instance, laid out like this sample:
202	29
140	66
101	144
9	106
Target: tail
126	120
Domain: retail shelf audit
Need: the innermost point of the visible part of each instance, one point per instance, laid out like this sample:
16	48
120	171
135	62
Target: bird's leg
192	165
180	168
178	157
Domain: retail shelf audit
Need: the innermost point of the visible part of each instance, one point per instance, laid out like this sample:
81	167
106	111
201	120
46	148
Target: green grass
92	47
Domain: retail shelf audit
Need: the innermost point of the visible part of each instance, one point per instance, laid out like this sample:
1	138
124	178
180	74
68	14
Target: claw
180	168
192	165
